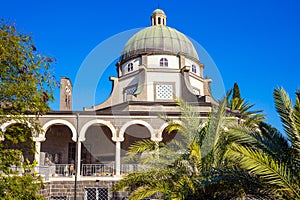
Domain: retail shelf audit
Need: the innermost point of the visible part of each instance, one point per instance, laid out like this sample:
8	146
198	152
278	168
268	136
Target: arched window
194	69
159	21
130	67
163	62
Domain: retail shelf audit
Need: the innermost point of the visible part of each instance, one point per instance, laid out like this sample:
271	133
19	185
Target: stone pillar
78	159
37	154
118	158
181	61
201	70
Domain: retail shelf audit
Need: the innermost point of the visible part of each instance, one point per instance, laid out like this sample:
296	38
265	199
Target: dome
158	11
158	39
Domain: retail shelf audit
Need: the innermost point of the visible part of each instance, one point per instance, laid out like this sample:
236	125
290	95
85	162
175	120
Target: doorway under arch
98	146
58	147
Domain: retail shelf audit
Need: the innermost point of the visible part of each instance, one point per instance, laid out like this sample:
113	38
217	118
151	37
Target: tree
169	167
26	85
236	103
268	155
192	174
202	168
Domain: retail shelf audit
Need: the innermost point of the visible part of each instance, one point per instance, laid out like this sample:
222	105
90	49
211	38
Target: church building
157	65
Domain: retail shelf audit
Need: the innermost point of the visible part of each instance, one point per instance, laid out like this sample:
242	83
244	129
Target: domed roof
158	39
156	11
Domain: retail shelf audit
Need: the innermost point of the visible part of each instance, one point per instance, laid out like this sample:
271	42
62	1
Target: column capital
39	138
118	139
156	139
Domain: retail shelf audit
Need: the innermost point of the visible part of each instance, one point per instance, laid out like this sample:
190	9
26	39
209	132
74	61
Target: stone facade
60	189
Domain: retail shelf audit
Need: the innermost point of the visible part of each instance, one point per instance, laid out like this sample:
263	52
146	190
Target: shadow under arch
136	122
58	146
50	123
97	139
97	121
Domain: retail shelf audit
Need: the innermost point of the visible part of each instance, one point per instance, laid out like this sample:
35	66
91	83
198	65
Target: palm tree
236	103
199	151
223	159
267	154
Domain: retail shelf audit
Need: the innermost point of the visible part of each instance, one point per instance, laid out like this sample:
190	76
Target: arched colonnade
117	137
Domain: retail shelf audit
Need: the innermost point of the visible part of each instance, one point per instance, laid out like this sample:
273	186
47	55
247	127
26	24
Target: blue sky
254	43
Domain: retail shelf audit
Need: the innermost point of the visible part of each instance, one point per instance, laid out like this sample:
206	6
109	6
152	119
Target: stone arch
97	121
136	122
162	128
60	121
4	126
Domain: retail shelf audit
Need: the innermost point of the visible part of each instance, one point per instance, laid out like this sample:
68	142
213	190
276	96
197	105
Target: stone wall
66	188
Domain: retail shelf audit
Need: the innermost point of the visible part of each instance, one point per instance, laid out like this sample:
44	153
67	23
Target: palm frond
144	145
137	179
264	166
235	183
265	138
144	192
190	121
290	118
284	108
274	143
173	126
195	157
296	144
215	128
182	187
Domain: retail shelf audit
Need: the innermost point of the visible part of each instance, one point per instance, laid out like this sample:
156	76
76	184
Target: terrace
88	171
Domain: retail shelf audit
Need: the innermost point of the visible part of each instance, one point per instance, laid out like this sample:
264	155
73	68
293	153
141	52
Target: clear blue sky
255	43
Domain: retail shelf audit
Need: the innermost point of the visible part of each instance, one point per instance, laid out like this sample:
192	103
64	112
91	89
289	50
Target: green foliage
21	184
267	154
290	118
225	158
236	91
236	103
26	85
199	150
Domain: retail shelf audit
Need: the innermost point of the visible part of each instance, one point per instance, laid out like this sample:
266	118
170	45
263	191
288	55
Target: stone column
37	155
118	158
37	141
78	159
37	152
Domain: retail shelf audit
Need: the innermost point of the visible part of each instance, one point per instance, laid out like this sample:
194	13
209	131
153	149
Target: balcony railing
67	170
126	168
98	169
44	172
64	170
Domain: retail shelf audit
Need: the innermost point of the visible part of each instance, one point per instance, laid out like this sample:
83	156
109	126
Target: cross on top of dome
158	17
